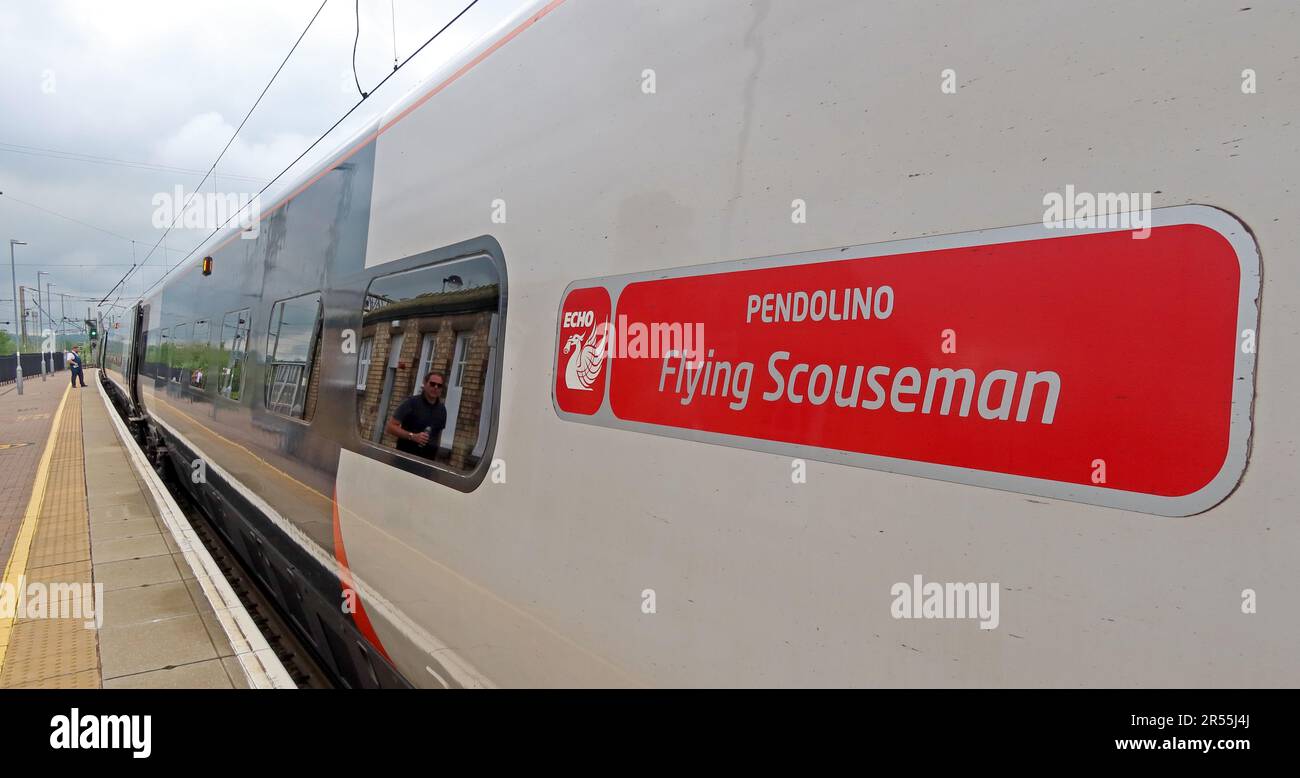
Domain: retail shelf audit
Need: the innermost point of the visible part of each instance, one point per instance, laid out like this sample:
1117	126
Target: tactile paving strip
58	652
50	548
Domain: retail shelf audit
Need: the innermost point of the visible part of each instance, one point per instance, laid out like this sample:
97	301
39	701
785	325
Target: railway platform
105	582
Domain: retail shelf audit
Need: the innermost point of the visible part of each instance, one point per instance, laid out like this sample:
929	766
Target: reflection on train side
292	348
200	355
185	355
231	353
425	358
115	352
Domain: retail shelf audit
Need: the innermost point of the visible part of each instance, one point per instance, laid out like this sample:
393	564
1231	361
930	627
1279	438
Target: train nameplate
1104	366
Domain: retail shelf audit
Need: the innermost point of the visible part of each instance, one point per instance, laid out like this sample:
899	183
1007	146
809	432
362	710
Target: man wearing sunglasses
418	422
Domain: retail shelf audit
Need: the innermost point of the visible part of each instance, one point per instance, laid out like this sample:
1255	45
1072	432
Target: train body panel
610	138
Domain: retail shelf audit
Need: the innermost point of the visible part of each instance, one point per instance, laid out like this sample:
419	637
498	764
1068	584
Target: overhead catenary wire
119	294
68	295
73	156
72	219
313	145
392	7
41	307
355	39
226	148
84	224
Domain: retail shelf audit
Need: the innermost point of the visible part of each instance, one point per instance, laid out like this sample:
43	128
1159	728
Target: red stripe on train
345	578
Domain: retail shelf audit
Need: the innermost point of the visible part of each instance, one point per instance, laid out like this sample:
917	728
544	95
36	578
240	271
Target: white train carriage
1081	432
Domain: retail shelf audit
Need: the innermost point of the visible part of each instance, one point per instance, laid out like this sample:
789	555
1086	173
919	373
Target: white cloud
191	146
166	83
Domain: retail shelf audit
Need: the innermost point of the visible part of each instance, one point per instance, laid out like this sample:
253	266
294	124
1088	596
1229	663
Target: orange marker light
207	266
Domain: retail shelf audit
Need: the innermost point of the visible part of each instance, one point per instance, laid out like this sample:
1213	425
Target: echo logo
582	350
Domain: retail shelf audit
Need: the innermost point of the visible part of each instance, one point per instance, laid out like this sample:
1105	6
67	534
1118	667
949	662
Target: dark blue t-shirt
416	415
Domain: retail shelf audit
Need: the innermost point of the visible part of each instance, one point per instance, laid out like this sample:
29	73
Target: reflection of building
402	341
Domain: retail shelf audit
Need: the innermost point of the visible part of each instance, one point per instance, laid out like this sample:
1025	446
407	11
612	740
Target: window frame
358	286
457	366
200	351
175	365
365	356
309	368
247	315
428	350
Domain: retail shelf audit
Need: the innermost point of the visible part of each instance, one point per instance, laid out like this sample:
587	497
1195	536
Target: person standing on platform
75	364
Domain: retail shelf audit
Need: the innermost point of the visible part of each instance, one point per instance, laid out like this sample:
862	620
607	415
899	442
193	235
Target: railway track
298	660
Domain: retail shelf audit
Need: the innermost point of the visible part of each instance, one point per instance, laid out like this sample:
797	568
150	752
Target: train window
231	354
152	353
199	357
291	345
363	362
178	353
164	354
160	344
429	387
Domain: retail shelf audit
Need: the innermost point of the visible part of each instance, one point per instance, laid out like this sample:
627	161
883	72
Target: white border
1243	387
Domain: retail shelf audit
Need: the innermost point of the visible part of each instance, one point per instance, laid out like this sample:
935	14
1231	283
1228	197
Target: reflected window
178	351
199	356
433	336
426	356
154	353
363	362
232	352
291	345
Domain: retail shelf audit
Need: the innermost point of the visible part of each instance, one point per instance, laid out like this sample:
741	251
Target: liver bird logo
587	359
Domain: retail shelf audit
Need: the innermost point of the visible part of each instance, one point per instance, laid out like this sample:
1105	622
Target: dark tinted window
438	321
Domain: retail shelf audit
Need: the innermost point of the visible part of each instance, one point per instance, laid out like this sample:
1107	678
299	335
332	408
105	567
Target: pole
49	298
19	324
22	295
49	312
40	320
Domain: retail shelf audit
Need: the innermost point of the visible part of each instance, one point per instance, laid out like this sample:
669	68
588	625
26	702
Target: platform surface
77	523
24	426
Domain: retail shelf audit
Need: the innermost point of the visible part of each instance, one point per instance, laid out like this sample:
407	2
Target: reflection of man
418	422
77	375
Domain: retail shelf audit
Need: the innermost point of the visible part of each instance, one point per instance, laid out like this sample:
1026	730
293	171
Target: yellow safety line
17	564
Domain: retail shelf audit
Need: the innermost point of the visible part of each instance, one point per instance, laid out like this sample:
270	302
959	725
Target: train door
133	361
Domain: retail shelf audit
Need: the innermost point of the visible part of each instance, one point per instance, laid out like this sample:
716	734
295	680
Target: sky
158	88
